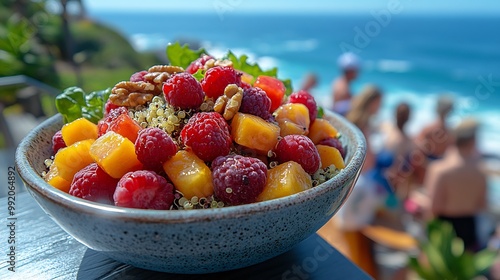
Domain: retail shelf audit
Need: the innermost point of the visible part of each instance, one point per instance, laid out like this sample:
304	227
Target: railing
31	101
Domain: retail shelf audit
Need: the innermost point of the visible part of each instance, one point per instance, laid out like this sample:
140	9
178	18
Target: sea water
412	58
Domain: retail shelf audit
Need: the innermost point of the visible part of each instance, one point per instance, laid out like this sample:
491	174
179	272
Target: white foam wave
388	65
147	42
301	45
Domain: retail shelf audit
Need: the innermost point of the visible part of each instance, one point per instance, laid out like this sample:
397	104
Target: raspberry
300	149
138	76
92	183
144	189
217	78
207	134
304	97
238	179
153	147
333	142
103	124
198	64
184	91
57	142
108	107
255	102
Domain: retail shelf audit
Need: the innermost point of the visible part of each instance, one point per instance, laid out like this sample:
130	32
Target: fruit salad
202	132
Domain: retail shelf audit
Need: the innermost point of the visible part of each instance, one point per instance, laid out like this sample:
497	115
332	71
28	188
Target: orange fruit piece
274	88
330	155
254	132
78	130
189	174
321	129
285	179
71	159
115	154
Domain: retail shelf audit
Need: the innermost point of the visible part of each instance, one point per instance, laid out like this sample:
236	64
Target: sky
341	6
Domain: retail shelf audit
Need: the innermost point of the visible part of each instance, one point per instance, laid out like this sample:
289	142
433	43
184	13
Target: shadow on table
313	258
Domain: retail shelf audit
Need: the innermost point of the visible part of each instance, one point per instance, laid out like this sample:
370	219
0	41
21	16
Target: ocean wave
147	42
301	45
388	65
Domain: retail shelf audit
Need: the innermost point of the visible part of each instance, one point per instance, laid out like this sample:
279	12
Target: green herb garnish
74	103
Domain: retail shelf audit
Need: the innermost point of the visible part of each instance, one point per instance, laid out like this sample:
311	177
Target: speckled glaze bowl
190	241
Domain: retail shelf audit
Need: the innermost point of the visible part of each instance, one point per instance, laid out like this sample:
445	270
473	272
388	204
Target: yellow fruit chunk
292	118
55	180
254	132
71	159
115	154
189	174
78	130
330	155
321	129
285	179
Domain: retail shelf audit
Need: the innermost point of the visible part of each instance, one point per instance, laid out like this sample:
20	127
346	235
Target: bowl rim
35	183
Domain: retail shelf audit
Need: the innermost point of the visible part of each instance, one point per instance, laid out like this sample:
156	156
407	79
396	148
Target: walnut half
132	94
229	103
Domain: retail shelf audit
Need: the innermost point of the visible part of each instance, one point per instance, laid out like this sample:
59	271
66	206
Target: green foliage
74	103
446	258
182	55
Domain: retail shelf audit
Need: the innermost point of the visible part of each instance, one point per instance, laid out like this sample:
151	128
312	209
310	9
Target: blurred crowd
435	174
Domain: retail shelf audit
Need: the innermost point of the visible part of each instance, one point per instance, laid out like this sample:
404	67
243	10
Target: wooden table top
44	251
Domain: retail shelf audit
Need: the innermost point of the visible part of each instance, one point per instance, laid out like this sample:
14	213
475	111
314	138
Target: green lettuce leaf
182	55
74	103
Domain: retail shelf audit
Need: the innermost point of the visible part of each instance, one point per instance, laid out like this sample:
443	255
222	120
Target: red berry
184	91
304	97
207	134
256	102
217	78
198	64
92	183
103	124
144	189
108	107
238	179
333	142
298	148
57	142
153	147
138	76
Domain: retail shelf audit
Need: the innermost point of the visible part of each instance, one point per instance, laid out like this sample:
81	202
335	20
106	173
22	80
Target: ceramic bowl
190	241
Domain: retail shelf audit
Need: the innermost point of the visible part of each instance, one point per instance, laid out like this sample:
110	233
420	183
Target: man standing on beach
456	185
349	64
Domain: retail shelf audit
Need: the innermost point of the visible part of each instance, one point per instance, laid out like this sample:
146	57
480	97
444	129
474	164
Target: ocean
413	58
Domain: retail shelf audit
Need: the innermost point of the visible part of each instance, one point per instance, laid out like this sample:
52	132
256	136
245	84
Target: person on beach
360	208
456	186
400	145
350	65
434	139
310	82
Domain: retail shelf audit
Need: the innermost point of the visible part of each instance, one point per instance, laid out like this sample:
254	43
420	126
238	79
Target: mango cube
330	155
285	179
293	118
115	154
78	130
189	174
54	179
71	159
321	129
254	132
